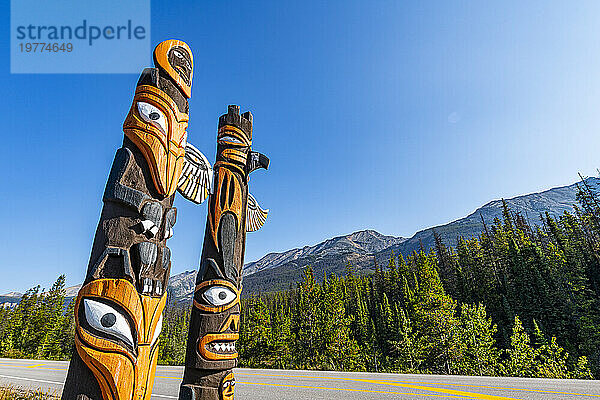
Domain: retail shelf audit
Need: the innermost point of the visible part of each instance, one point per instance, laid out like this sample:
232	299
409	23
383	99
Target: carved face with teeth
219	299
117	336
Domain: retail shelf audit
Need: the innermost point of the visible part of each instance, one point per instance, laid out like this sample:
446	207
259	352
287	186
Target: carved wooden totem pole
118	311
232	211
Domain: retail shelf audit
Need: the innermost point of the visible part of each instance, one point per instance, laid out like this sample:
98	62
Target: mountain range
277	271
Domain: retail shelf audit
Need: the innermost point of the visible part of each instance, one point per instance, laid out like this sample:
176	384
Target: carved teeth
224	347
147	286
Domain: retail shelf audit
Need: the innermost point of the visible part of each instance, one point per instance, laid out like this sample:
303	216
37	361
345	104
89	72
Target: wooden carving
214	327
119	308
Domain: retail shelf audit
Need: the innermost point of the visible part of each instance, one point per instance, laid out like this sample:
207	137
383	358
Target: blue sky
394	116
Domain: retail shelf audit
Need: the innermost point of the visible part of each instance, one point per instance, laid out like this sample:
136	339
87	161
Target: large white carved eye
153	115
219	295
106	319
157	330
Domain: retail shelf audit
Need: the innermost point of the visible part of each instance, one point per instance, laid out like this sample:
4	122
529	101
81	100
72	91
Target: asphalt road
259	384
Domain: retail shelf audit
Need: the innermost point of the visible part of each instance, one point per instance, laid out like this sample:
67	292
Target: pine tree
479	355
432	312
52	314
551	361
521	356
404	347
255	344
281	335
173	337
338	349
305	350
581	369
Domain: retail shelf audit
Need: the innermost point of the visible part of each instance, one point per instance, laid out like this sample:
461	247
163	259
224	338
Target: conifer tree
255	344
479	355
521	355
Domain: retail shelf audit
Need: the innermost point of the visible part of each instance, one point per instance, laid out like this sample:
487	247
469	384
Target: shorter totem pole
214	326
118	311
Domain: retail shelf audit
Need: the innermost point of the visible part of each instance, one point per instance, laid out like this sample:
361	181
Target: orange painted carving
157	127
121	369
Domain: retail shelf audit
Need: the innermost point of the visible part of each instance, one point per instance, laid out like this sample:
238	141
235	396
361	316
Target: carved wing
255	216
195	183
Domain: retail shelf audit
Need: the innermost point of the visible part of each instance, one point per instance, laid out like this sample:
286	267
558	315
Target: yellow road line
452	393
35	366
413	385
331	388
38	366
424	383
439	390
506	388
353	390
407	384
14	365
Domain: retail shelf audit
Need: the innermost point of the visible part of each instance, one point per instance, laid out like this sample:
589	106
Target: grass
16	393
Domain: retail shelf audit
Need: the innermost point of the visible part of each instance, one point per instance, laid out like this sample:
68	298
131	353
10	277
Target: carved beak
256	161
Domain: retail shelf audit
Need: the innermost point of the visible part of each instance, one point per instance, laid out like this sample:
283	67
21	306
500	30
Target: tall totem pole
118	311
232	211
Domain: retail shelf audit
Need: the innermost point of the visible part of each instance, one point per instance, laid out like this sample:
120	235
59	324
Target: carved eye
157	330
230	139
218	295
106	319
153	115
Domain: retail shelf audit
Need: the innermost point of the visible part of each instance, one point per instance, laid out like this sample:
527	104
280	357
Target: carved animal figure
118	311
232	211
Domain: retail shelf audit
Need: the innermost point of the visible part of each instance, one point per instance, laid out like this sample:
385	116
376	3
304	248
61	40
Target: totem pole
118	311
232	211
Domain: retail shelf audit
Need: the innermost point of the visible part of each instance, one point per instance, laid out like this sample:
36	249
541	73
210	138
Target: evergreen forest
521	299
